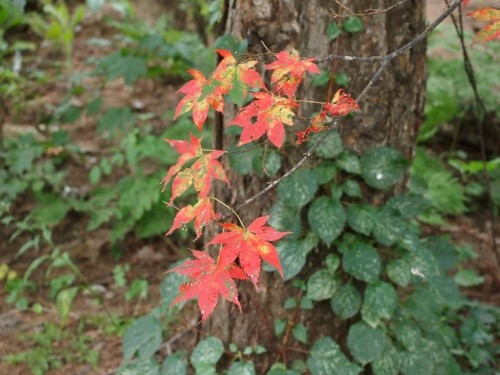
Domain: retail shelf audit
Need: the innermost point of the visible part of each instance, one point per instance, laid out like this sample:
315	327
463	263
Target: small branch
386	59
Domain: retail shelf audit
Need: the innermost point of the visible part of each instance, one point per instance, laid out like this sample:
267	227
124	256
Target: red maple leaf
289	71
202	213
234	78
341	105
201	93
208	279
250	246
200	174
272	112
491	31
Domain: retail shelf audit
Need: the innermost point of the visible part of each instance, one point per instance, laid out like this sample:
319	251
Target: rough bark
390	115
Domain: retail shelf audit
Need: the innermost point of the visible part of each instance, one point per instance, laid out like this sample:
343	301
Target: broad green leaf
424	305
270	162
333	31
321	285
242	368
361	260
169	288
143	337
365	343
398	271
388	364
379	303
280	369
332	262
243	159
330	147
389	226
416	363
447	290
408	334
409	206
352	189
298	189
382	167
326	217
292	254
346	301
325	172
174	364
50	209
206	354
144	366
279	327
353	24
349	162
286	219
444	251
299	331
361	218
326	358
468	278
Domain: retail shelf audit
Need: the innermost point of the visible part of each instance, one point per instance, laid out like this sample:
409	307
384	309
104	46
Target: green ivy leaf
361	260
292	254
206	355
382	167
271	163
353	24
174	364
326	217
169	288
410	205
361	218
332	263
416	363
279	327
321	285
389	226
349	162
242	368
398	271
325	172
346	301
333	31
388	364
243	159
299	331
143	337
352	189
284	219
468	278
365	343
330	147
326	358
298	189
379	303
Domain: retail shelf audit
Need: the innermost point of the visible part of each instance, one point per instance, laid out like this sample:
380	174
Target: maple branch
386	59
400	50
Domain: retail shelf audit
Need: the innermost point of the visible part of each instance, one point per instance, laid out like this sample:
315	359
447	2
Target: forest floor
149	259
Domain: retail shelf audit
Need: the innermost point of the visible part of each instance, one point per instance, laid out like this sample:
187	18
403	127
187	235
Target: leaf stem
232	210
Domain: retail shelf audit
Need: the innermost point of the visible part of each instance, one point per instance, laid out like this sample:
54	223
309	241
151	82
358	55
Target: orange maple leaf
289	71
491	31
272	112
200	95
200	174
208	280
202	213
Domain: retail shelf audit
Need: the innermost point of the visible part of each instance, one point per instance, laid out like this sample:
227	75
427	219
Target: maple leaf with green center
200	94
208	280
491	31
289	71
249	246
341	105
200	174
272	112
202	213
235	79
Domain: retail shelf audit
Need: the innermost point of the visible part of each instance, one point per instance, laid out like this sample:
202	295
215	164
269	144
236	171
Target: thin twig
368	12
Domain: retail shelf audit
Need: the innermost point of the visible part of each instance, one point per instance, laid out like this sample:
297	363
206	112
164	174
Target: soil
148	259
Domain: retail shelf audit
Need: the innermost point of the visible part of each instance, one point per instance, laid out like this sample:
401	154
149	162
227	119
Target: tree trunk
390	115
